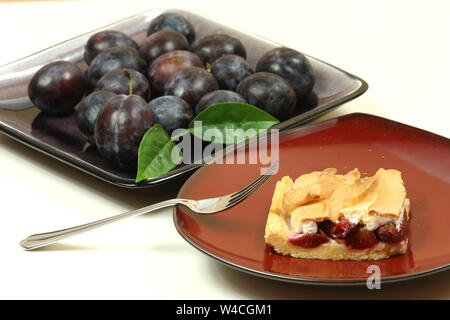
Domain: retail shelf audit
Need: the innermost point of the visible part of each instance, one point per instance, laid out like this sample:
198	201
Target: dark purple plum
218	96
120	126
211	47
113	59
270	93
190	84
118	82
174	22
57	87
171	112
230	70
292	66
104	40
88	111
161	42
167	64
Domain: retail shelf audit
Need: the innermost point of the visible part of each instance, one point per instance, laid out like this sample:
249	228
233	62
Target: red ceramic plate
236	236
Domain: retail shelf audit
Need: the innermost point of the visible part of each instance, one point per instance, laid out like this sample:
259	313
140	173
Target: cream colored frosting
322	195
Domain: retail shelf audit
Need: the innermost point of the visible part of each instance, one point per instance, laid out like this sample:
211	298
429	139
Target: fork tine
243	195
252	187
266	175
214	205
247	188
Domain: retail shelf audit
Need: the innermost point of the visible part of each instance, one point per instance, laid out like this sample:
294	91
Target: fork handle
42	239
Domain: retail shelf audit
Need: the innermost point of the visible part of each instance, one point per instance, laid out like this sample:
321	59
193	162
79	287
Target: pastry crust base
276	236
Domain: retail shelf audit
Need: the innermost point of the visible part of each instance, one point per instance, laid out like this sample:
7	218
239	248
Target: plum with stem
120	126
117	81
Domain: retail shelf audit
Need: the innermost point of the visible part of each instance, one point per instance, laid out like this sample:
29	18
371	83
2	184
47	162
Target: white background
401	48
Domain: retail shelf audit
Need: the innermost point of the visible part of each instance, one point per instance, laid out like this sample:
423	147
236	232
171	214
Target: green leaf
221	123
230	122
155	154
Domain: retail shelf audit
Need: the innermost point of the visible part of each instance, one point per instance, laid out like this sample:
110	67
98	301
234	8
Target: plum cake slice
324	215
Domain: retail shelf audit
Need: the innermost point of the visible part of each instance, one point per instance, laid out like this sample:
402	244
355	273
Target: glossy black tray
60	137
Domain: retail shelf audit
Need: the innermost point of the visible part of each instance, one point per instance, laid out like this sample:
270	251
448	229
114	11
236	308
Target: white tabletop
400	48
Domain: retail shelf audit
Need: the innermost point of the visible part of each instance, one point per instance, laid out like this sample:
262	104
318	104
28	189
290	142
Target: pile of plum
167	79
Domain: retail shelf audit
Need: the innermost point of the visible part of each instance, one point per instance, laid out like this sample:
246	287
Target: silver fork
204	207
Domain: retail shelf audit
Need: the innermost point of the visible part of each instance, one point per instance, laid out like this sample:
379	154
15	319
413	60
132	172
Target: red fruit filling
343	229
327	227
389	232
361	239
350	234
338	231
309	240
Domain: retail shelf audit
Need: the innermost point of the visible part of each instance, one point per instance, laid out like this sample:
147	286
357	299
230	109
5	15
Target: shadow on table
435	286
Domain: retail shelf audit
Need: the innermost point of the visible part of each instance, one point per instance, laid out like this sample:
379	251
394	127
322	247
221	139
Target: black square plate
60	137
